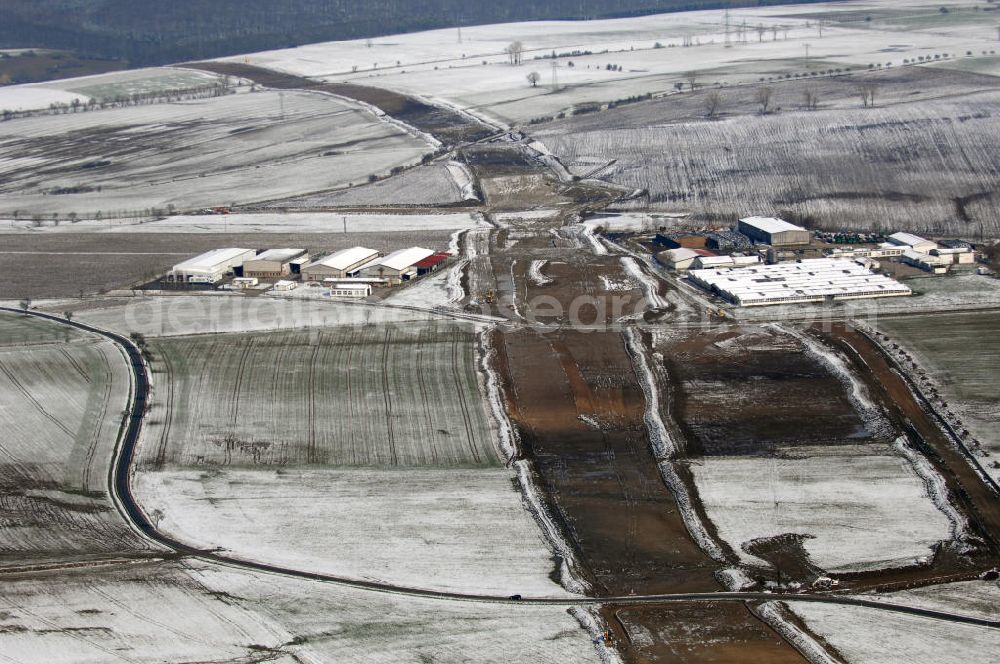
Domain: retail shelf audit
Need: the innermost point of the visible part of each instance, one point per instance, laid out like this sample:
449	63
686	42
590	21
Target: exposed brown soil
448	126
744	392
703	632
603	483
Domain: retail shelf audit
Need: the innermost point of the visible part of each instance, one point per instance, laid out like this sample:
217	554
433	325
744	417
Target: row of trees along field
146	32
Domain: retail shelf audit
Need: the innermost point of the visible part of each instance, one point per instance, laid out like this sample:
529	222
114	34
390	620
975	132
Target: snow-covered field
841	168
171	315
430	184
966	379
192	154
870	636
979	599
162	80
860	510
61	397
198	612
472	72
448	529
391	395
270	222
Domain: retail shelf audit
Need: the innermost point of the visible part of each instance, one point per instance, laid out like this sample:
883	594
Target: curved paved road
119	481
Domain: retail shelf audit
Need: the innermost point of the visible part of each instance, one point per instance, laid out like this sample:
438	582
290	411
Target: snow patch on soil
649	286
535	273
590	621
773	613
936	487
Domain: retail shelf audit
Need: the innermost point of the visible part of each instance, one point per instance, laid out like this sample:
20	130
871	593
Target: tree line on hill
144	32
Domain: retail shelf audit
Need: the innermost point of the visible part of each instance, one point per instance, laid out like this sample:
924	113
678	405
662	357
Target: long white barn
810	280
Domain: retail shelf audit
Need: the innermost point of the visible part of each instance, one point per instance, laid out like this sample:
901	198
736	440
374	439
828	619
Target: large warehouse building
211	266
340	264
775	232
272	264
398	266
810	280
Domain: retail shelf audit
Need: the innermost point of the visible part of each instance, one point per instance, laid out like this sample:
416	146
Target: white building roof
805	281
346	258
771	224
402	259
712	261
927	259
682	254
279	255
908	239
211	260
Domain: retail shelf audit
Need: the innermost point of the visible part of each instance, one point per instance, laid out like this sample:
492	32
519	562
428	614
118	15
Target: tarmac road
119	481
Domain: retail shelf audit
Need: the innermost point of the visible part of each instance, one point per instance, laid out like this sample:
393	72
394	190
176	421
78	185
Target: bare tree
760	32
810	99
68	315
763	98
692	80
867	92
515	52
533	78
25	304
713	101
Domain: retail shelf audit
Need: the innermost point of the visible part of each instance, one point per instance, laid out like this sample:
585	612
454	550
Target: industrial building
775	232
703	262
914	242
340	264
927	262
350	289
882	251
955	255
211	266
397	267
677	259
810	280
272	264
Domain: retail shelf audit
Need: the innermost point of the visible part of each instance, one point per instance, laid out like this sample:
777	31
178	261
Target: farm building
432	263
397	267
775	232
811	280
284	285
211	266
677	259
914	242
272	263
340	264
